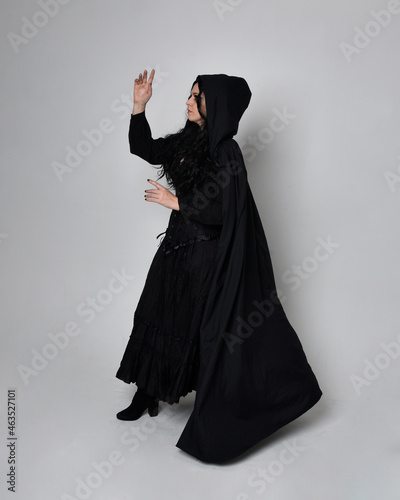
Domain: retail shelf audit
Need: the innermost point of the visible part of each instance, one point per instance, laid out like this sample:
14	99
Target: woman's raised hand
161	195
142	91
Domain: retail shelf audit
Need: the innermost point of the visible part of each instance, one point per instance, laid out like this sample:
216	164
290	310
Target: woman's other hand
142	91
161	195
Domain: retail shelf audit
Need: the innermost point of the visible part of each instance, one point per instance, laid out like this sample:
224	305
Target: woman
209	317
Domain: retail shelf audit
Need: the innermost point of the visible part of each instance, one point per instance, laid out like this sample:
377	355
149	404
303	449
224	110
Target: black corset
183	231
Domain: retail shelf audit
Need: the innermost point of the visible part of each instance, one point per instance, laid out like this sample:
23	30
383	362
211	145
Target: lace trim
203	237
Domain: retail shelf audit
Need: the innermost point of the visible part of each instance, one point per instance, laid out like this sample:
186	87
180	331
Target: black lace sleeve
154	151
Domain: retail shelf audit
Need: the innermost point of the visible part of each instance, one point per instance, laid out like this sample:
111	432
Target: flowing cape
254	376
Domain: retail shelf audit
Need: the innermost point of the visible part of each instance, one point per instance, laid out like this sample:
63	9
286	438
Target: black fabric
224	332
253	376
162	354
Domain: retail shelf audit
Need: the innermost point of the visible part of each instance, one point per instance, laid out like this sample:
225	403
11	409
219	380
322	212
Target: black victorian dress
209	317
162	355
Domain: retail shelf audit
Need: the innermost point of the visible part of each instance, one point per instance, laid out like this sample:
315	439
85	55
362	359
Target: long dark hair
189	162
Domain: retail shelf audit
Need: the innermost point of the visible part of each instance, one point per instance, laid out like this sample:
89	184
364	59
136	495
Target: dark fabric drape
254	376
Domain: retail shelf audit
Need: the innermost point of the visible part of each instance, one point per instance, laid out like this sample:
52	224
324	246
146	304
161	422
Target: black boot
140	403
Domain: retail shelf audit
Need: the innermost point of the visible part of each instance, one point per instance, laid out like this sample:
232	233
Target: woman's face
192	109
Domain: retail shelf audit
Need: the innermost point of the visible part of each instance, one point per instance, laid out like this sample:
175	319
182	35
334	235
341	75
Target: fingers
152	194
143	77
161	195
157	195
153	71
150	78
154	183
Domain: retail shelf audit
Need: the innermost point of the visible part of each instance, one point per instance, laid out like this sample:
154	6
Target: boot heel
140	403
153	409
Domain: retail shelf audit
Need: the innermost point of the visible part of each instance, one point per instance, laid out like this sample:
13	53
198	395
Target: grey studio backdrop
321	144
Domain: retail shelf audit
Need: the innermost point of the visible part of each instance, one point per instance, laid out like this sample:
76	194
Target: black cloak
254	377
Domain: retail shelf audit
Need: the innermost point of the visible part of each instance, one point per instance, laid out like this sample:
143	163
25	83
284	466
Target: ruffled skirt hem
163	365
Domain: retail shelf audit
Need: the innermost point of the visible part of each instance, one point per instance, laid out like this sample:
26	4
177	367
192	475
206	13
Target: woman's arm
142	144
140	139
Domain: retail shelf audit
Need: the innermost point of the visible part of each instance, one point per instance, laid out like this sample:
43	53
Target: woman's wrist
138	108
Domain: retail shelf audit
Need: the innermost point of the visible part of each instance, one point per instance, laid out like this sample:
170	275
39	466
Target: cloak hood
227	98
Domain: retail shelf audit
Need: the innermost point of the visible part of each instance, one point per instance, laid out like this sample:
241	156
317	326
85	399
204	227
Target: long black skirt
162	355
